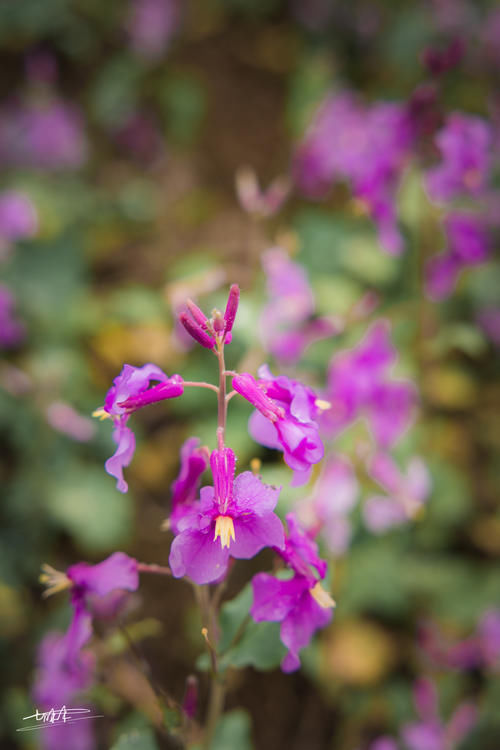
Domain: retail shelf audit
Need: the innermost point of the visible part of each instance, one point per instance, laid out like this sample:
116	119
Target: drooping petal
273	599
195	554
253	533
125	442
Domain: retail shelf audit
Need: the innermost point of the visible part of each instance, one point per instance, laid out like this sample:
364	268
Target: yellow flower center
54	580
322	404
321	596
224	528
101	414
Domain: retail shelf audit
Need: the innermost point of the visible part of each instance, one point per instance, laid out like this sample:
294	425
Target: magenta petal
273	599
125	440
196	555
263	431
251	494
253	533
118	571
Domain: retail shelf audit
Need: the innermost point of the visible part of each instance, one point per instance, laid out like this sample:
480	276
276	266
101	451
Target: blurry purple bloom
406	494
256	201
431	733
12	331
367	146
88	582
299	603
238	511
465	144
65	419
151	26
48	136
480	650
194	461
467	245
18	216
58	683
285	420
333	497
130	391
359	385
488	635
287	326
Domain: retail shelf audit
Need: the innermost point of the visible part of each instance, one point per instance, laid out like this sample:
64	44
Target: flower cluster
288	324
359	385
367	146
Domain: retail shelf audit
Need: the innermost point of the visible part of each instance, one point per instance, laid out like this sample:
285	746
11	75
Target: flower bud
196	331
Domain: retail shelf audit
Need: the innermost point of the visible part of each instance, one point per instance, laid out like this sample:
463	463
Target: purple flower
299	603
18	216
60	683
89	585
151	26
238	512
488	636
480	650
367	146
465	143
406	494
285	420
48	136
287	326
333	497
12	330
467	245
253	200
194	461
431	733
359	386
130	391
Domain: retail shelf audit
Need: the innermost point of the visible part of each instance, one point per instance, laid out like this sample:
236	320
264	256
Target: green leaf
233	731
86	504
137	739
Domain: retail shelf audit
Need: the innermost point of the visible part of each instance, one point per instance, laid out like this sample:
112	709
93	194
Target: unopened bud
190	702
196	331
197	314
231	307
